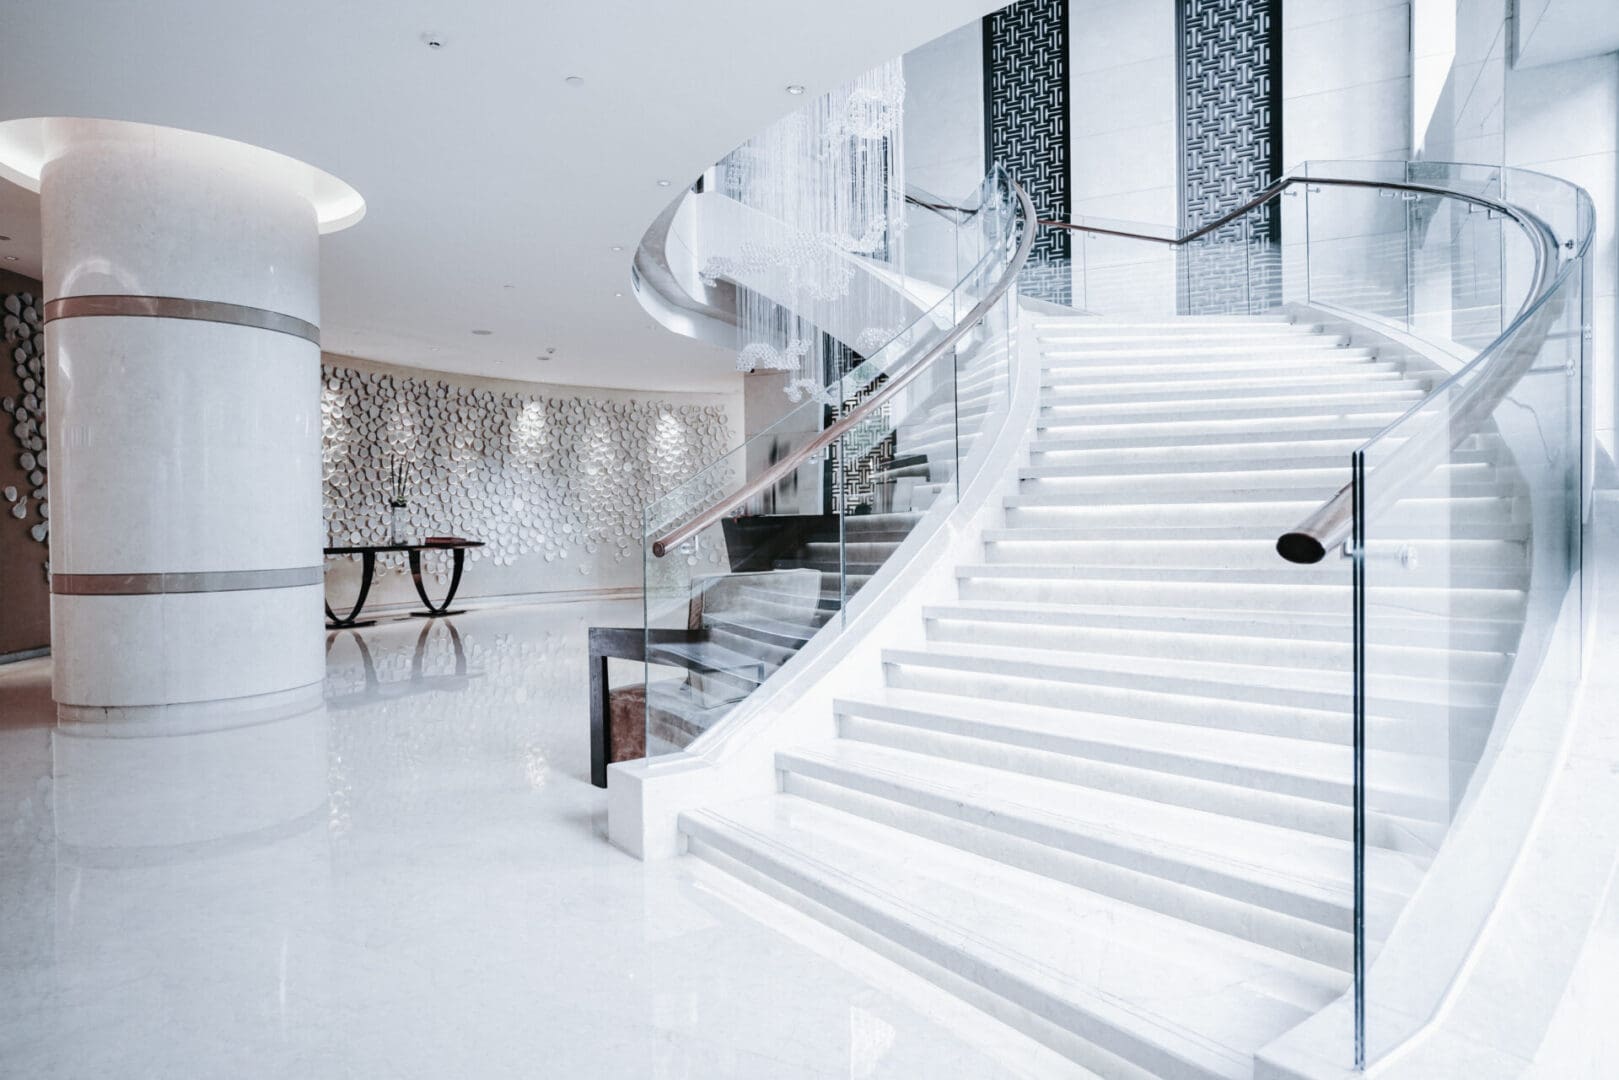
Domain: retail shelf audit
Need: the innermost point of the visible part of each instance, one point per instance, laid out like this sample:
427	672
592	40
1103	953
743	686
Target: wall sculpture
555	476
25	416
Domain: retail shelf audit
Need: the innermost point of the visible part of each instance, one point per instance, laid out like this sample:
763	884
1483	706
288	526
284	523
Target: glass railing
768	547
1461	520
1467	541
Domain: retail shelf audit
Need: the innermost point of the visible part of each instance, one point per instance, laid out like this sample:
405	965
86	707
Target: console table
368	567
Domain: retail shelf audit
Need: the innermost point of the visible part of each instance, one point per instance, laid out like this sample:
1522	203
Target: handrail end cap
1300	547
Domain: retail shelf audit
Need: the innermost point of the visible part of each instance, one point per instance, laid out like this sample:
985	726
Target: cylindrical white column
182	300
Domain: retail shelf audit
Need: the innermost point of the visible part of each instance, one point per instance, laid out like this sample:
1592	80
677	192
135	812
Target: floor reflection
408	878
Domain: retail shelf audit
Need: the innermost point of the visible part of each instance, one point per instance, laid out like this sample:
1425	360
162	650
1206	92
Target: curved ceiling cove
510	153
27	145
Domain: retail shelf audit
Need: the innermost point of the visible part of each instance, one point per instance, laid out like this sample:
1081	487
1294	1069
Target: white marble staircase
1108	799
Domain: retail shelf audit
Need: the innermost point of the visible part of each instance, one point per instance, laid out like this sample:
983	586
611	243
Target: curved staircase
1108	797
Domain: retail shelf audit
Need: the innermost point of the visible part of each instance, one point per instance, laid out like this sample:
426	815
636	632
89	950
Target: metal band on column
175	307
194	582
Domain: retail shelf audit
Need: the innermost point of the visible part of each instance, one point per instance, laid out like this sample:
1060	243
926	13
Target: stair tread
1251	680
1289	861
1203	997
1073	732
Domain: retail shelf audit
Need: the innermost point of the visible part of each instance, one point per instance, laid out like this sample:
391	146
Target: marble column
182	312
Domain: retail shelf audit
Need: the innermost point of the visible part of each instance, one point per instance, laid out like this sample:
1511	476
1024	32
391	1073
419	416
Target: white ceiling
495	191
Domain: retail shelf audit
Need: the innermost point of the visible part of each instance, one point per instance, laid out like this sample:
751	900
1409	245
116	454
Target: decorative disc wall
25	415
556	476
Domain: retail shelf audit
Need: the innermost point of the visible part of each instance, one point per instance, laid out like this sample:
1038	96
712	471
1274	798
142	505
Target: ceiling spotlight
482	333
11	258
795	88
618	294
432	40
575	80
618	247
663	183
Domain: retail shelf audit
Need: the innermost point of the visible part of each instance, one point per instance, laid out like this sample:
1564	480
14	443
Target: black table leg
434	611
368	567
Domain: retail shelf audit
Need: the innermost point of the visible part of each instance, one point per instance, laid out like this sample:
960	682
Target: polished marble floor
412	881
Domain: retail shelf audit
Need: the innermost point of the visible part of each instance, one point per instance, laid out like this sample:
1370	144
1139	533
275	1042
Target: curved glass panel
731	603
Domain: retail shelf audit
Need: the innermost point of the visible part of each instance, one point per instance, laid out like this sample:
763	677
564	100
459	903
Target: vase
397	521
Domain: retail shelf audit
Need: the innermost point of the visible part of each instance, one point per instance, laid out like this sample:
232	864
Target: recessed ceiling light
508	286
11	258
618	294
432	40
482	333
795	88
618	247
575	80
663	183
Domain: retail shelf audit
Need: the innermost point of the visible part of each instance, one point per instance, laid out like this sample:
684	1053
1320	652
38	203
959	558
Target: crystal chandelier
832	177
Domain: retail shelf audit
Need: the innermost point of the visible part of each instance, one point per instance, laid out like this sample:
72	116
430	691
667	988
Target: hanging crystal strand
832	174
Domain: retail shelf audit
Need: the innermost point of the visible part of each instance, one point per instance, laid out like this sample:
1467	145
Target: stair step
1276	511
1300	346
1050	673
1114	389
1118	334
1216	458
1211	640
1227	408
763	629
1169	998
1285	477
1417	631
1296	875
1197	324
1337	363
1123	438
1161	431
1310	591
1011	547
1271	779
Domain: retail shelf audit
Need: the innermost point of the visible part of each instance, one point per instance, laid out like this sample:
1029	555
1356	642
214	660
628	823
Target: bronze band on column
193	582
175	307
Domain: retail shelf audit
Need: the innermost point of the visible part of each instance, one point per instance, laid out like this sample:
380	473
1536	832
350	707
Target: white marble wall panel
944	113
183	446
1125	159
1346	84
156	212
168	649
1563	119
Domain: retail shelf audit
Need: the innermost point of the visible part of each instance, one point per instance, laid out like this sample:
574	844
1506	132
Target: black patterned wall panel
1026	125
1231	141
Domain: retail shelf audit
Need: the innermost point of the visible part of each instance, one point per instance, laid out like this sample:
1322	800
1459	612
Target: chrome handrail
664	544
1331	524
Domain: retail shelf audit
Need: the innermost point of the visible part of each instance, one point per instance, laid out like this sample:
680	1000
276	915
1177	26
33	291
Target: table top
447	545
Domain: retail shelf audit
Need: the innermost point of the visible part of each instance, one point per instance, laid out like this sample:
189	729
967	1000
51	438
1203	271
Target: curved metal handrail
1332	523
664	544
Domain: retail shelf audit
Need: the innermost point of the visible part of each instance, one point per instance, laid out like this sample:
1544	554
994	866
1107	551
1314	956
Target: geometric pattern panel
528	473
1230	140
855	461
1026	124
